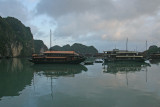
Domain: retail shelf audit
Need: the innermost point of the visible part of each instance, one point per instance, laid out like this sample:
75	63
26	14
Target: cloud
85	21
107	19
15	9
23	11
112	9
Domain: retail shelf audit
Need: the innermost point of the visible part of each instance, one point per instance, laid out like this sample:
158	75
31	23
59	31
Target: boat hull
88	63
124	60
44	61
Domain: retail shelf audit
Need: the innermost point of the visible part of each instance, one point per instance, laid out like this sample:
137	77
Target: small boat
98	61
88	63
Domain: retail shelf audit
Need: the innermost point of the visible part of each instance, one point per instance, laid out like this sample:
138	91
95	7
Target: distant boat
155	56
57	57
88	63
122	55
98	61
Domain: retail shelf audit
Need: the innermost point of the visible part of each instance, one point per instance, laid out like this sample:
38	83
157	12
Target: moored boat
155	56
88	63
57	57
122	55
98	61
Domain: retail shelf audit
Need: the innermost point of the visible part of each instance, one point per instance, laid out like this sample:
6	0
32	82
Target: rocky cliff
16	40
77	47
39	46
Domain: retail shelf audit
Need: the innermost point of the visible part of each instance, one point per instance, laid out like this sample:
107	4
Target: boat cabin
117	54
60	53
155	56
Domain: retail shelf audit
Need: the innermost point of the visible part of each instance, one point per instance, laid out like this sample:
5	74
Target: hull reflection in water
59	69
114	67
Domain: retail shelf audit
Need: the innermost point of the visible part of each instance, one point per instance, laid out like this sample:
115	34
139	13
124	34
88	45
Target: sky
105	24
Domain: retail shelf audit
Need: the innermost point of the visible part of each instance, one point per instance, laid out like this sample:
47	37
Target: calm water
23	84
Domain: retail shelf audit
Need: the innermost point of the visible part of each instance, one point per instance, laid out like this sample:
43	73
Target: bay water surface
23	84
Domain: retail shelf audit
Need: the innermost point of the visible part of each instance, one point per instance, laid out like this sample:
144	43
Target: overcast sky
105	24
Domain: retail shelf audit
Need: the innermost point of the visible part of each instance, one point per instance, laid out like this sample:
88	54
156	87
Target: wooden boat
122	55
57	57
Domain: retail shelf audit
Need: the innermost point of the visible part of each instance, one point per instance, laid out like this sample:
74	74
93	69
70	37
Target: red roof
61	52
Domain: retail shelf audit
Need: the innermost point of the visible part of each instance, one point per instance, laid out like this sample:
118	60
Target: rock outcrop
77	47
16	40
39	46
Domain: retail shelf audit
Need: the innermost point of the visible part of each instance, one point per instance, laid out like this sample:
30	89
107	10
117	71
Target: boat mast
127	44
146	45
50	39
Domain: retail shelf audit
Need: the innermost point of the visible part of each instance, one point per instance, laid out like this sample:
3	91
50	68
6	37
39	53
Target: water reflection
14	76
125	68
114	67
56	70
155	61
59	69
118	87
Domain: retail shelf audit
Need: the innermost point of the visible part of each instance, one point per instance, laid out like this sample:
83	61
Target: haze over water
23	84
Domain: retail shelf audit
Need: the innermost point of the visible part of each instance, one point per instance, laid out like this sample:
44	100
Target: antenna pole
50	39
146	45
136	48
127	44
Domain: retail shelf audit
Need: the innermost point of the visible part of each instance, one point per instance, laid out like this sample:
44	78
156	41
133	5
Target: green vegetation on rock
153	49
16	40
79	48
39	46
